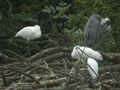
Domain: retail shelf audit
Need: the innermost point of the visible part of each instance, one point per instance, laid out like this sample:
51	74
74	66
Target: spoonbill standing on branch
81	52
96	30
29	33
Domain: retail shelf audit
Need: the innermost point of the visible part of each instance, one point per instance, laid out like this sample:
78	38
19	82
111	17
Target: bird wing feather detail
92	67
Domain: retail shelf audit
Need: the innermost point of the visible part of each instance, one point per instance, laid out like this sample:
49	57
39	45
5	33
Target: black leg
28	49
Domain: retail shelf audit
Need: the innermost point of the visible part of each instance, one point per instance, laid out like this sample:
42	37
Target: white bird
80	52
29	32
92	67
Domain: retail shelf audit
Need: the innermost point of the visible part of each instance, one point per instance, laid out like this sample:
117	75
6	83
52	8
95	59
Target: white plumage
29	32
92	67
85	52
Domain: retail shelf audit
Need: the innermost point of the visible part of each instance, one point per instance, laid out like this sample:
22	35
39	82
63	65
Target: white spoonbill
29	33
80	52
92	67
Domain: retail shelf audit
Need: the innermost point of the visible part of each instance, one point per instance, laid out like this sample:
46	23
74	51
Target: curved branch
21	72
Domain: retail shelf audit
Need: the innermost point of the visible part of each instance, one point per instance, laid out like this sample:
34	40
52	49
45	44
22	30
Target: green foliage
25	17
66	18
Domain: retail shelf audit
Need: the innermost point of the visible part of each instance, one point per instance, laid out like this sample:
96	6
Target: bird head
105	21
106	25
76	51
37	26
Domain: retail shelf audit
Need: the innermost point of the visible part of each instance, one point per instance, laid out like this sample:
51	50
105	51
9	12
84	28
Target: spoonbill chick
81	52
96	29
92	67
